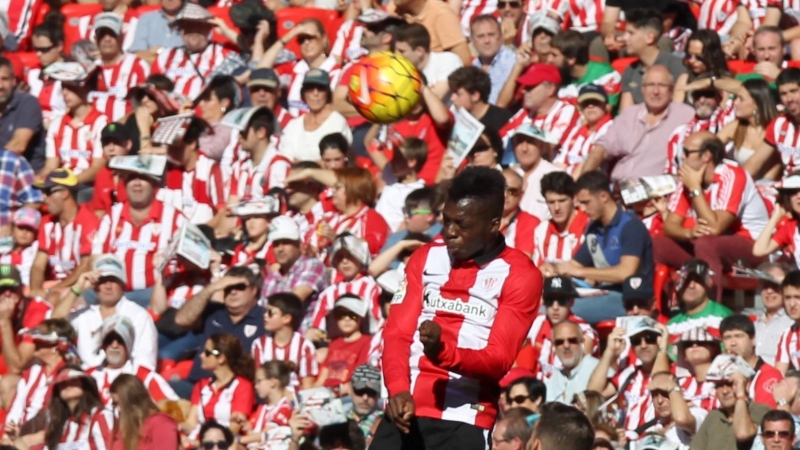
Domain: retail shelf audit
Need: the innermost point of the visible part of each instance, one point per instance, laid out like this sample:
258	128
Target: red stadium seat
738	66
72	15
23	61
604	328
177	372
663	274
289	17
224	13
620	64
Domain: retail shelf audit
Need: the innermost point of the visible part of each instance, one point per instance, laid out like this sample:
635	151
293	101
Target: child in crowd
255	216
350	258
283	342
404	166
25	231
351	349
272	380
108	187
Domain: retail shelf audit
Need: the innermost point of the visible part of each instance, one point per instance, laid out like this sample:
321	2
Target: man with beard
698	310
708	117
20	119
677	420
456	324
577	366
366	384
118	336
569	51
782	132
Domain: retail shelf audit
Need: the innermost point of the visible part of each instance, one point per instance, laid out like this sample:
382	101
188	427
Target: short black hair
594	182
792	279
536	389
224	87
214	425
347	434
290	304
415	35
777	415
50	30
737	322
160	81
572	44
484	184
714	146
472	79
5	62
419	197
645	18
334	141
253	278
563	427
559	183
788	76
263	118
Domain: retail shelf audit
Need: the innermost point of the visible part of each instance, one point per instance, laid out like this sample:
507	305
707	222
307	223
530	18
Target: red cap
539	73
515	374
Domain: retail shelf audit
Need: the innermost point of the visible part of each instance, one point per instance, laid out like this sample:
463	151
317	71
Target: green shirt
755	76
598	73
708	318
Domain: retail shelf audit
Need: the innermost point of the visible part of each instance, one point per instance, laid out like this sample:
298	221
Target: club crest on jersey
250	330
490	283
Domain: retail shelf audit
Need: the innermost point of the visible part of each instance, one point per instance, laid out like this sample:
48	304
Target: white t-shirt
88	324
440	66
680	438
392	201
301	145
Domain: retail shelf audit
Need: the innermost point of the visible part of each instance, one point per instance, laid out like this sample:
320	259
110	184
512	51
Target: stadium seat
23	61
178	371
620	64
72	15
604	328
659	281
224	13
738	66
289	17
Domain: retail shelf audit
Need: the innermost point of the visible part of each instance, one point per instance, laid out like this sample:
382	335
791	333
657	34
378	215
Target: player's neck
81	111
283	336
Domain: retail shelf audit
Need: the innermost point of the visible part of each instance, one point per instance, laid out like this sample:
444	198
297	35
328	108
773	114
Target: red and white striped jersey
181	285
129	22
375	354
791	9
787	236
66	245
137	245
347	45
299	351
703	395
636	398
717	15
21	17
789	347
291	75
197	193
32	394
113	85
557	123
519	232
254	181
244	257
550	246
363	286
272	415
157	386
584	15
101	429
22	259
758	9
578	143
733	190
559	7
76	147
485	308
365	224
470	9
188	71
49	94
540	336
782	133
283	117
678	137
220	404
83	433
308	222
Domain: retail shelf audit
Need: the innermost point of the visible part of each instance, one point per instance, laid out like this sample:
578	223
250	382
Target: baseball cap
559	287
283	228
122	327
264	77
637	288
70	72
540	20
58	177
515	374
366	376
697	334
635	325
355	247
28	218
110	21
10	276
592	92
109	265
317	77
352	303
539	73
151	165
114	132
533	132
790	182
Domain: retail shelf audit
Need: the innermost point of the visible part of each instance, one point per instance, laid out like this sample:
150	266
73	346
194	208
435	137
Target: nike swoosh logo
363	96
428	274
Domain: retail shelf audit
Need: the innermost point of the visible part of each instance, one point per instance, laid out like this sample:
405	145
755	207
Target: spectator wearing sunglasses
366	385
214	436
773	321
351	348
526	392
781	231
675	418
696	349
577	365
738	337
777	431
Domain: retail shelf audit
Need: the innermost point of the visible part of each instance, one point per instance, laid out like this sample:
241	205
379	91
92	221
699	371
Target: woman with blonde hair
141	426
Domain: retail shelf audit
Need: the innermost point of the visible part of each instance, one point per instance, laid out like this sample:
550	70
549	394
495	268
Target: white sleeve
145	345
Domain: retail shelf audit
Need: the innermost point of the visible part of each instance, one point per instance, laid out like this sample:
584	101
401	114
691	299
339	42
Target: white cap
533	132
352	303
390	280
357	248
71	72
283	228
790	182
109	20
541	19
641	324
110	265
123	327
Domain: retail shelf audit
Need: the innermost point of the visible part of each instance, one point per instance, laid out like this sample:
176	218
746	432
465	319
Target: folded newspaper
466	132
746	272
191	244
322	406
635	190
724	366
152	165
278	438
637	324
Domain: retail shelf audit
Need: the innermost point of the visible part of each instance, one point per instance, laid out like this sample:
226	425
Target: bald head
703	149
567	327
696	140
659	74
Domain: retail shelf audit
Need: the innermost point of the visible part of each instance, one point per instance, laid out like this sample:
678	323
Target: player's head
472	212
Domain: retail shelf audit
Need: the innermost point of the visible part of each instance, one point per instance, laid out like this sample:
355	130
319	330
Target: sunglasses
349	315
705	93
273	312
513	191
416	212
303	38
363	392
43	49
212	352
687	152
518	399
770	434
722	384
548	302
210	445
237	287
691	56
570	341
659	393
502	5
636	303
648	338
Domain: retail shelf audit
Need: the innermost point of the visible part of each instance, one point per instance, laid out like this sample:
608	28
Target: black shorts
430	434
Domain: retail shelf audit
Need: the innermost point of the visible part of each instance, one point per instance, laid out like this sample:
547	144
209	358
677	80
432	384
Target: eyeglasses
211	445
113	338
687	152
513	191
722	383
303	38
636	303
502	5
338	185
648	339
212	352
770	434
416	212
570	341
705	93
518	399
43	49
237	287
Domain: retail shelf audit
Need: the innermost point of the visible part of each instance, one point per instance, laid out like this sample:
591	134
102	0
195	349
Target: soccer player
448	355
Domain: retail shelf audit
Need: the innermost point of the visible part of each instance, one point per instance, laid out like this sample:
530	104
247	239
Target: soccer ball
384	87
